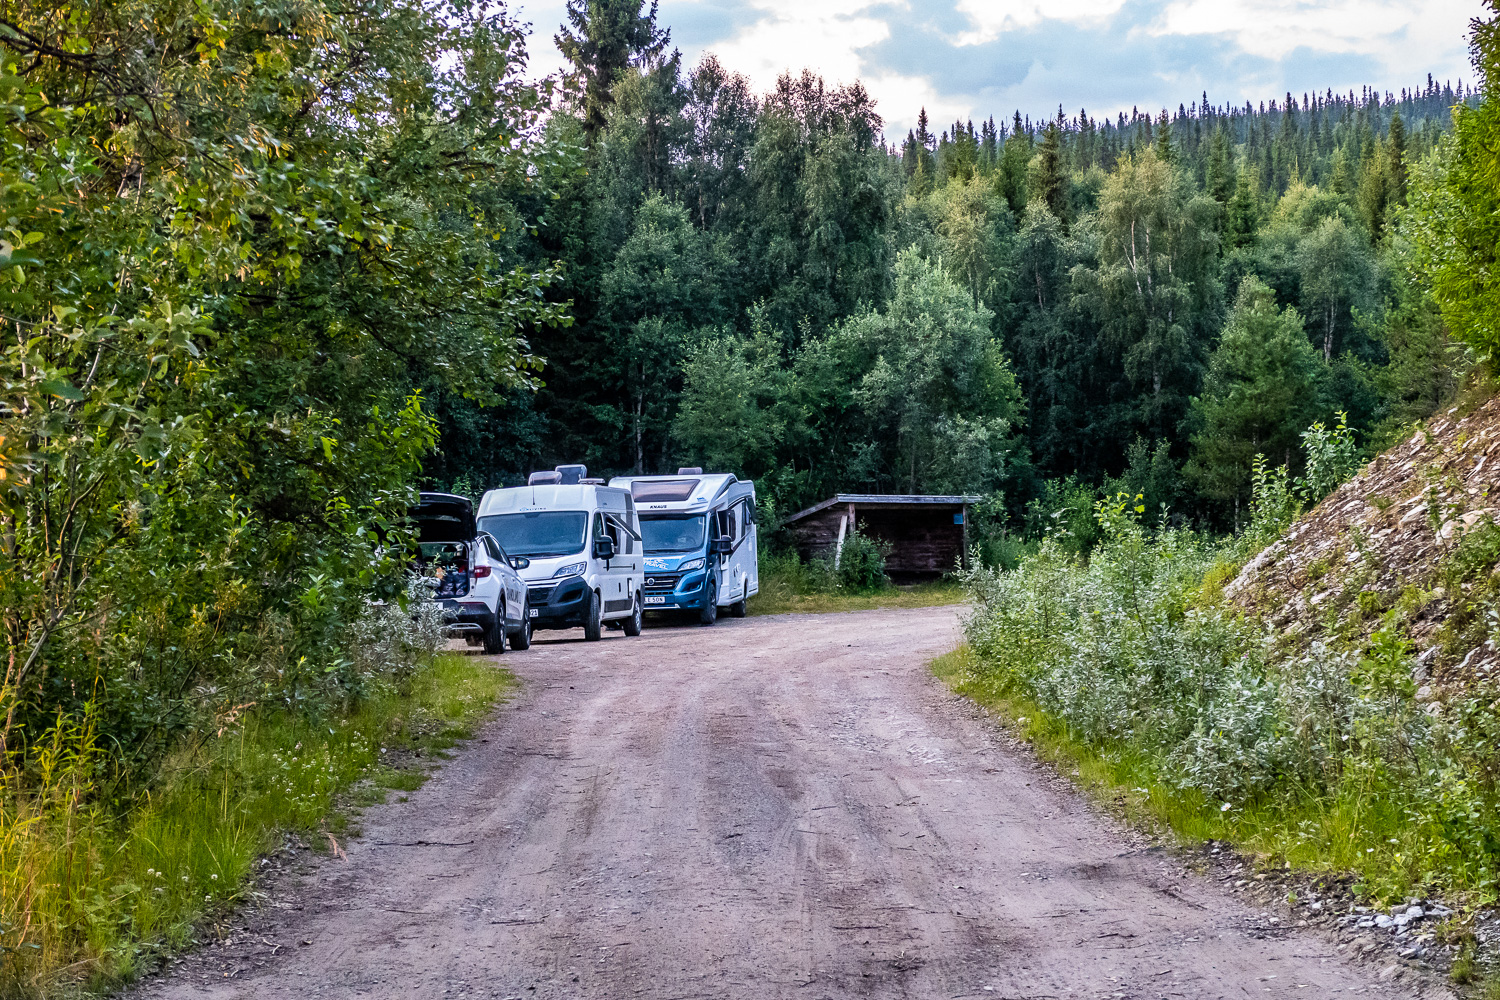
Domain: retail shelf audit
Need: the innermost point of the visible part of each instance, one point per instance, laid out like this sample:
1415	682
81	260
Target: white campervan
584	545
702	546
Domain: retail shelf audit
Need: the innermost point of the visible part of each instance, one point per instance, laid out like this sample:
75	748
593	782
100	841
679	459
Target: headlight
571	569
690	565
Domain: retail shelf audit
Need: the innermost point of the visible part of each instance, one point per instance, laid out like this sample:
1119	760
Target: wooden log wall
925	543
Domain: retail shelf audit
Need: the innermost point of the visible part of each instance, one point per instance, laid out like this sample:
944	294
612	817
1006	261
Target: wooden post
838	546
963	560
852	526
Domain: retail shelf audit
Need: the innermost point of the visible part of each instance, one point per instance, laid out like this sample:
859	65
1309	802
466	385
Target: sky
969	59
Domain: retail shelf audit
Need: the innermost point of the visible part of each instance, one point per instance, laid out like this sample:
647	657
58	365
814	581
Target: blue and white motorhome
699	535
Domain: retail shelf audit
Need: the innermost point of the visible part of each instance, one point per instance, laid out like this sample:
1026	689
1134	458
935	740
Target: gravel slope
772	807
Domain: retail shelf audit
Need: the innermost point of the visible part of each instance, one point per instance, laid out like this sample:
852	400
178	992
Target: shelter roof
885	500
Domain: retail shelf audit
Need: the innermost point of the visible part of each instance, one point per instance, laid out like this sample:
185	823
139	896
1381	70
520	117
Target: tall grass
93	890
790	584
1131	666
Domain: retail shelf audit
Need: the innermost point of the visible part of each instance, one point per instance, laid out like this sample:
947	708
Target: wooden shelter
928	535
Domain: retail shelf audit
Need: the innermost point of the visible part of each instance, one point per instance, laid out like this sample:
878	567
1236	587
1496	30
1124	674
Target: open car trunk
446	537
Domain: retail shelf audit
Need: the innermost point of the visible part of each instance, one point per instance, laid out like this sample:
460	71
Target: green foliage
1454	218
860	566
1064	515
1331	458
1259	392
1322	756
1155	289
1095	254
1274	502
605	38
788	584
1336	268
936	388
97	898
217	403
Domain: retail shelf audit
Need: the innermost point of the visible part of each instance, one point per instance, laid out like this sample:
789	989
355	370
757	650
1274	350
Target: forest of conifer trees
1019	309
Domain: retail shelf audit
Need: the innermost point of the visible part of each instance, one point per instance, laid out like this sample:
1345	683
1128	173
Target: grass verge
93	893
788	585
771	601
1351	831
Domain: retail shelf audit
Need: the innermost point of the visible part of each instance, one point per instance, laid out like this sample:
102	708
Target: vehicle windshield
672	534
539	533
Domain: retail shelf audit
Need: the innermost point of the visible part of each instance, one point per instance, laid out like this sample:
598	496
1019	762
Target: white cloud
1275	28
993	17
823	35
897	96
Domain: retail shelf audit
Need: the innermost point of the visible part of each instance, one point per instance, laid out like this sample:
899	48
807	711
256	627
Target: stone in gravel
1383	922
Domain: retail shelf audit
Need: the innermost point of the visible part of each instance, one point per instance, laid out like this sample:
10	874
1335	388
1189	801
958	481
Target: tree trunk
640	458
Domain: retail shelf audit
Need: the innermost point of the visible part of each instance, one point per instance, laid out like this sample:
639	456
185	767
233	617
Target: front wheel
636	620
593	623
521	638
709	613
494	636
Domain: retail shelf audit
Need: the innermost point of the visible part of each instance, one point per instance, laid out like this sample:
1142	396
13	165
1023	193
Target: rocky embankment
1410	543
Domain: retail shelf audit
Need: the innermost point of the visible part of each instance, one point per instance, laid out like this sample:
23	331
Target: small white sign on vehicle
656	599
533	612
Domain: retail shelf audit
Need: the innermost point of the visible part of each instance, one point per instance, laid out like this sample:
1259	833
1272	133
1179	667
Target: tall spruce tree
1220	180
607	36
1258	394
1048	183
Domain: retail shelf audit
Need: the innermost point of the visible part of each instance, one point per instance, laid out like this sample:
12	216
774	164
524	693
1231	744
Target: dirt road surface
772	807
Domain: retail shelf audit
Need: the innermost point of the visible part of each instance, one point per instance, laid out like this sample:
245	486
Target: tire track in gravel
773	807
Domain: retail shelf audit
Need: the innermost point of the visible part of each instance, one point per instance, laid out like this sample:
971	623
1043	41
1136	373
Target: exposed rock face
1405	541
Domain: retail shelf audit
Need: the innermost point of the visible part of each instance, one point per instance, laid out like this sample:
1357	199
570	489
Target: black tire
521	638
494	637
637	619
593	622
709	613
740	608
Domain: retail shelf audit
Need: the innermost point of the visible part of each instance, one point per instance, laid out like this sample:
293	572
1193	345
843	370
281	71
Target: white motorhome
702	545
583	543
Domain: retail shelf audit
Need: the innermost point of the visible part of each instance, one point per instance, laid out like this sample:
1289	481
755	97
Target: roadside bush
1327	748
861	564
1065	512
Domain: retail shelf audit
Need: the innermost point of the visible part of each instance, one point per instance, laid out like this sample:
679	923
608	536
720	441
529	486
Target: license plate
655	599
533	612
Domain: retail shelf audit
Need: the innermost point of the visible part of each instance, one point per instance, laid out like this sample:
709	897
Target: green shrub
861	564
1065	514
1323	753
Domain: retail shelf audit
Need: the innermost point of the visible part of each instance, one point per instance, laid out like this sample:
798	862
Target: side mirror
519	562
604	548
721	546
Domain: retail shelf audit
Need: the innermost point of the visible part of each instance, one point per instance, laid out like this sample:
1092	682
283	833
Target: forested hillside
760	284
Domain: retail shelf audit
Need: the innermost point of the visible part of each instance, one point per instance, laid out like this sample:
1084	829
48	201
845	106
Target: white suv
473	578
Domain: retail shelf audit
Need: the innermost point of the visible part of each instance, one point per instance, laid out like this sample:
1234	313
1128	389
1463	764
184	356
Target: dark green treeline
760	284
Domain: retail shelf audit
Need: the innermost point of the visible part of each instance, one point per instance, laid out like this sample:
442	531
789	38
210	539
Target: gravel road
772	807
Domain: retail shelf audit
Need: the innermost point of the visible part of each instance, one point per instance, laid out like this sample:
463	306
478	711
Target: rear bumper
467	618
558	604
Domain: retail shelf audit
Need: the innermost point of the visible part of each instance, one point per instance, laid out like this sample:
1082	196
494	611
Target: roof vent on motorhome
572	475
590	482
544	479
692	470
